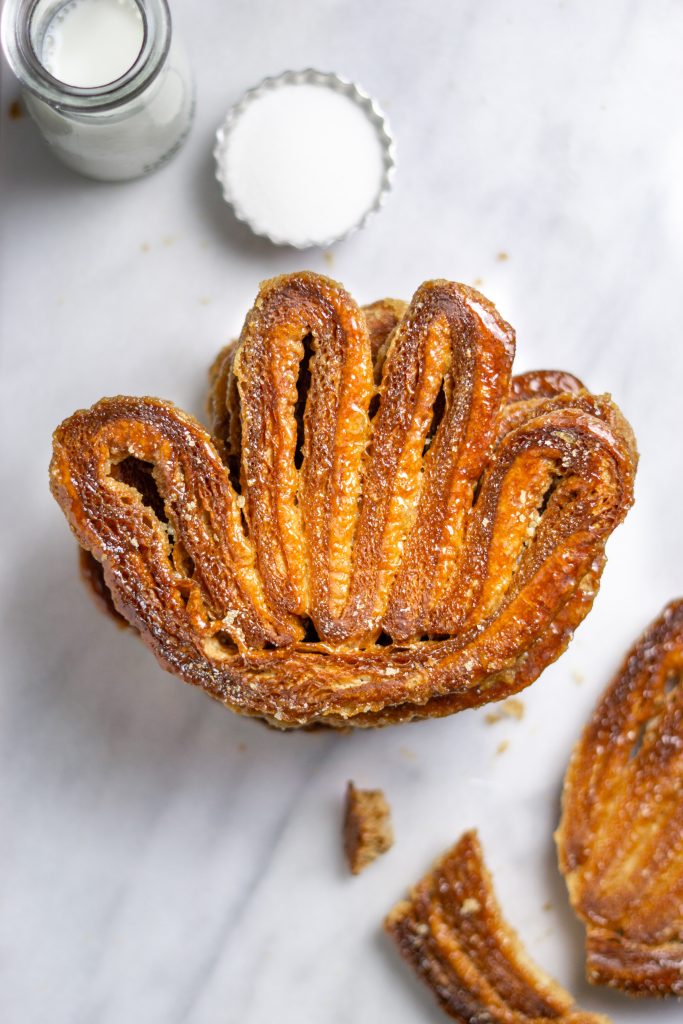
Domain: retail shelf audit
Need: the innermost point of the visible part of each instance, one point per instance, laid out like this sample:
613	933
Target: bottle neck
24	26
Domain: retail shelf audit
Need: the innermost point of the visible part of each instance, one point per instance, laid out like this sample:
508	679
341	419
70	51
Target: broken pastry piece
620	840
383	523
453	935
367	828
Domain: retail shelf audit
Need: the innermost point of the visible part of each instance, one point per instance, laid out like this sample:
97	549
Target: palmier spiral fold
384	524
620	840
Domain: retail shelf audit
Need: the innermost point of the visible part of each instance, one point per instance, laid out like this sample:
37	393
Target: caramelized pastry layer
620	840
384	523
452	933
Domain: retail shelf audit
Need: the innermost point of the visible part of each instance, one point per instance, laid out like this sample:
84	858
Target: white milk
93	42
111	91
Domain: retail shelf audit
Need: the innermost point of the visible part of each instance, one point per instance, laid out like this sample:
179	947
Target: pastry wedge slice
452	933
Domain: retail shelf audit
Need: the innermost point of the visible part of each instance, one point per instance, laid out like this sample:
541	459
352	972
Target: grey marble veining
162	860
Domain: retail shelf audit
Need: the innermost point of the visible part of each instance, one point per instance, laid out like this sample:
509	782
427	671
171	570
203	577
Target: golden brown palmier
620	840
452	933
384	525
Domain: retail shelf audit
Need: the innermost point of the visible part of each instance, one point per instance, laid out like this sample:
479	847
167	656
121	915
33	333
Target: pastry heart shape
384	525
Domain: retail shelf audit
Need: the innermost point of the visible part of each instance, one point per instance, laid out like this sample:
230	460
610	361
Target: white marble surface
163	861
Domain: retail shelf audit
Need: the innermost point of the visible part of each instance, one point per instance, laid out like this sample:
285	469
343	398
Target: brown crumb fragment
15	110
502	256
367	827
510	708
328	256
578	677
502	746
547	906
452	933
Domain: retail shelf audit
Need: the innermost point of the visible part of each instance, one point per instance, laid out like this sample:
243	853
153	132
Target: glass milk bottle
107	85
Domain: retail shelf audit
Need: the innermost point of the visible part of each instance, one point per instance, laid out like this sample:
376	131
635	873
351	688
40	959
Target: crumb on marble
328	256
15	110
241	748
478	282
578	677
204	300
502	746
145	247
407	753
513	707
502	256
547	906
169	240
367	829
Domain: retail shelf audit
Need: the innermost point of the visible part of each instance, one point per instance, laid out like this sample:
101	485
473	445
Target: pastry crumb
409	754
513	707
145	247
502	746
578	677
502	256
328	256
547	906
15	110
367	830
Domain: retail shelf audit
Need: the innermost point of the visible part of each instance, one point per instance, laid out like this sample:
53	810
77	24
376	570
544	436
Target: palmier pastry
452	933
620	840
384	525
